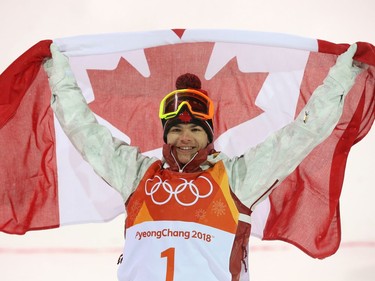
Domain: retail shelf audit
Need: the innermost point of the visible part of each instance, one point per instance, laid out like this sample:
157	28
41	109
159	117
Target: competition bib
180	227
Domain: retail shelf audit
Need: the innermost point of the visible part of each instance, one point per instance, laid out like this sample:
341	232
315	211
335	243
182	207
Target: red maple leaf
185	117
130	101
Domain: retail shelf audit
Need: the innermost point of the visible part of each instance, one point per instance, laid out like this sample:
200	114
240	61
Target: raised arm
119	164
258	171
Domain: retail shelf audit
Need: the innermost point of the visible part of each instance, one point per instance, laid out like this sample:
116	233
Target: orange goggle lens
198	103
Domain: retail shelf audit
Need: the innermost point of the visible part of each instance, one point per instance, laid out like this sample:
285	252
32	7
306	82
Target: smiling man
188	140
186	115
188	215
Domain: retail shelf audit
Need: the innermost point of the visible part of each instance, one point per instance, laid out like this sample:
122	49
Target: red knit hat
184	115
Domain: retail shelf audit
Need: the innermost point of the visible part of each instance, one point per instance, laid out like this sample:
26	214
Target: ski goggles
200	105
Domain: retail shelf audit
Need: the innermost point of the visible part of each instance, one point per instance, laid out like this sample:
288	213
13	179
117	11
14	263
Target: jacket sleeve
253	175
119	164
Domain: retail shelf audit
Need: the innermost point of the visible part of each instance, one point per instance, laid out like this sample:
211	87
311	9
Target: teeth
185	147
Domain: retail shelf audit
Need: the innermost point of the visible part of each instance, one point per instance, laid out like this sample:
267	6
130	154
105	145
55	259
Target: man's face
188	139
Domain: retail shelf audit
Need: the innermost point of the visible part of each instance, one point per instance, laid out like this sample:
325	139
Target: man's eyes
193	129
197	129
175	130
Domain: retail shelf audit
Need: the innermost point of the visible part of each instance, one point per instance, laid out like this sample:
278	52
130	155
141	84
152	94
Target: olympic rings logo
165	186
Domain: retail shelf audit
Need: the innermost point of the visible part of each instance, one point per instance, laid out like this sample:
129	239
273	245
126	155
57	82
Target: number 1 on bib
169	254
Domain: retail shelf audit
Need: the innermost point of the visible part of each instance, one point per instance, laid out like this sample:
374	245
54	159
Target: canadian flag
258	81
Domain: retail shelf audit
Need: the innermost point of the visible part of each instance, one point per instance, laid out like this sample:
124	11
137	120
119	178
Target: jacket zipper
183	167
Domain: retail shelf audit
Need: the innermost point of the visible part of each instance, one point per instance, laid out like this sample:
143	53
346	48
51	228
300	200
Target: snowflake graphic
200	214
218	208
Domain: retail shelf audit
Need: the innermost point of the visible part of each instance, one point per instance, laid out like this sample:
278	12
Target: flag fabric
258	81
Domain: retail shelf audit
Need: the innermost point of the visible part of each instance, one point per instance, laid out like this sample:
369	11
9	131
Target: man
188	214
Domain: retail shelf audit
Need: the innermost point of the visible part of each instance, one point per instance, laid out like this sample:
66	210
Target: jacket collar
169	154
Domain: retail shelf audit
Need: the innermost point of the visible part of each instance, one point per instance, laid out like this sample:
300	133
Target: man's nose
186	135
